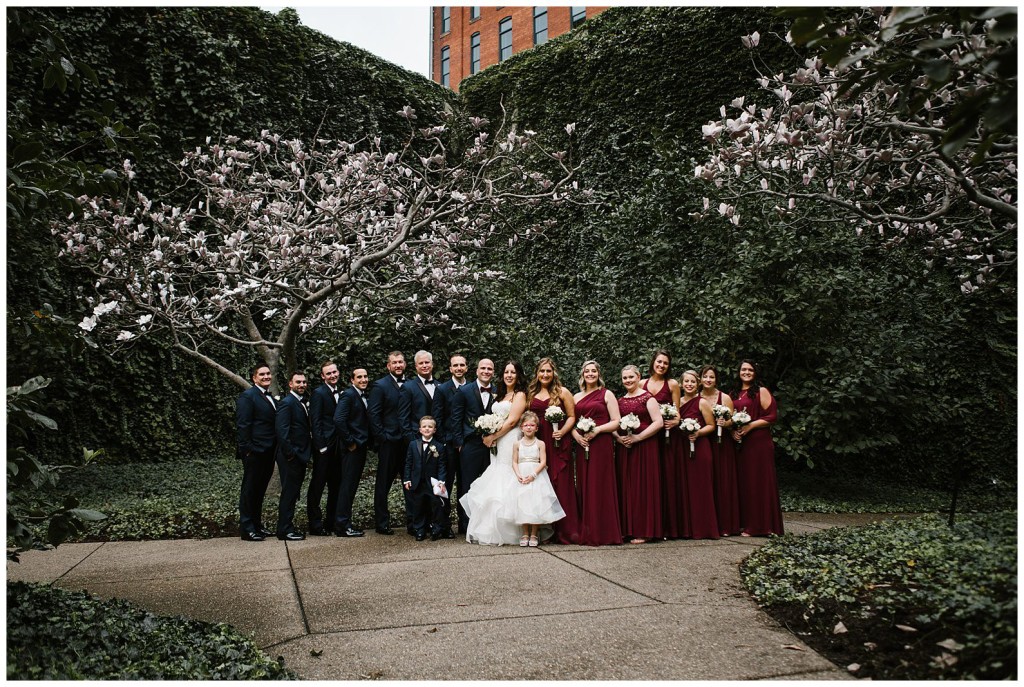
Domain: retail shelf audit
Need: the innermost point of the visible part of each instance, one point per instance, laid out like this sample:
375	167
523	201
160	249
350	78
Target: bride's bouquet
721	412
486	425
668	412
740	418
690	425
554	415
583	426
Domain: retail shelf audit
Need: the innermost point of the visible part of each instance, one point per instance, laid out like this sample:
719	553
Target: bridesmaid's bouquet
584	426
629	423
486	425
721	412
554	415
741	419
668	412
690	425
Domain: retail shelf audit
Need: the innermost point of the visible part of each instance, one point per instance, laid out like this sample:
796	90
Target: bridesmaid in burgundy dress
639	450
670	453
700	487
599	519
723	450
755	455
545	391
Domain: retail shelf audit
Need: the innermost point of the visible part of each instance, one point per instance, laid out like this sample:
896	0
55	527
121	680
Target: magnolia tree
864	144
282	237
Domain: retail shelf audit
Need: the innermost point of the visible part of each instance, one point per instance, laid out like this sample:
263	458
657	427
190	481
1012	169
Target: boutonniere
433	451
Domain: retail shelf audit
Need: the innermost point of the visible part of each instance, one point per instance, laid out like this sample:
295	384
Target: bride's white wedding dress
489	503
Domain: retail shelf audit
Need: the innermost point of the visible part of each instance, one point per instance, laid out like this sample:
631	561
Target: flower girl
535	502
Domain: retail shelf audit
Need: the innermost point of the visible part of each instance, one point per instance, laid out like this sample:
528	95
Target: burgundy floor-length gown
670	472
563	477
700	484
641	493
760	511
727	495
599	499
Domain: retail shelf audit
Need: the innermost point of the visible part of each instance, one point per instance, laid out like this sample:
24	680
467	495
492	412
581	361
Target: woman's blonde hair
600	380
556	383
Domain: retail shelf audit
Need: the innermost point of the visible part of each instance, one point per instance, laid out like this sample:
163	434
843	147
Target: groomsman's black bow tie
428	381
485	390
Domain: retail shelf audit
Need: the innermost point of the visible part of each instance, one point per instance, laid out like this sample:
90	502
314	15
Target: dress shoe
291	536
446	535
264	531
252	536
384	530
420	536
319	532
435	536
349	532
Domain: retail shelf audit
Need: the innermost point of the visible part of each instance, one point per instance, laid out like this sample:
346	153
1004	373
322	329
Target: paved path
391	608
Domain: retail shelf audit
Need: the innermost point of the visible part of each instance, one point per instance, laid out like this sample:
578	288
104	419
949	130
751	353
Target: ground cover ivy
900	599
54	634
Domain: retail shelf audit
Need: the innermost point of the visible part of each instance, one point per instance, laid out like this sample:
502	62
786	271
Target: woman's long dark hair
755	384
650	368
520	379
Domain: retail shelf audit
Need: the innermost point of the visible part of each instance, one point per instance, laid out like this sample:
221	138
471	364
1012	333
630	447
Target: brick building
465	40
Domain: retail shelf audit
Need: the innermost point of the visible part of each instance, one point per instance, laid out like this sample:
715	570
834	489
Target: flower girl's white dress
535	503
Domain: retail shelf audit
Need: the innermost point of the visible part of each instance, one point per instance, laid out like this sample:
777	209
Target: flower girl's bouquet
585	425
690	425
554	415
741	419
721	412
668	412
486	425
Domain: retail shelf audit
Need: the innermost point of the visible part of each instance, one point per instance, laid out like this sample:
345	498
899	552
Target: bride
489	501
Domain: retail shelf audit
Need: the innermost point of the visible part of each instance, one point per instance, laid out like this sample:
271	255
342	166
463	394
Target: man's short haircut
296	373
327	363
396	354
256	368
422	354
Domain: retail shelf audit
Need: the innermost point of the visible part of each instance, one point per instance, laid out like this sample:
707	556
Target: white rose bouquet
721	412
690	425
668	412
629	423
740	419
554	415
486	425
585	425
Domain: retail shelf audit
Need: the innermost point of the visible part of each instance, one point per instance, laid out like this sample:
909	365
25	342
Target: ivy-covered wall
877	364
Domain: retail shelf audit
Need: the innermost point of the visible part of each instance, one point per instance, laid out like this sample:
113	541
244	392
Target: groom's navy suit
474	456
352	433
326	466
388	409
294	449
257	439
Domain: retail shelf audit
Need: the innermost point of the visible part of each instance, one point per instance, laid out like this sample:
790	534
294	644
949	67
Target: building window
474	53
446	67
446	20
540	25
505	39
577	15
474	13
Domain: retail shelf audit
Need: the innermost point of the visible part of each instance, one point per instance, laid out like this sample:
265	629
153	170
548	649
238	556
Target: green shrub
955	589
53	634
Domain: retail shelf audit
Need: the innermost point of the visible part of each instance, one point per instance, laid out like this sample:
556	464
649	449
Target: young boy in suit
425	458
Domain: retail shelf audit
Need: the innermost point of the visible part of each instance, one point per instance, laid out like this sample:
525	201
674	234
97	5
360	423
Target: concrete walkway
391	608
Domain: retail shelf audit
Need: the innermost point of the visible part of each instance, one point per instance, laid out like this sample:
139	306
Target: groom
471	401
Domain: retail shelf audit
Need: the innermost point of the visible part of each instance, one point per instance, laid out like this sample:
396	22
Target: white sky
405	41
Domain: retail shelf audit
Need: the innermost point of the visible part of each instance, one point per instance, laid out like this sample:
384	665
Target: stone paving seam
344	564
601	577
463	622
298	592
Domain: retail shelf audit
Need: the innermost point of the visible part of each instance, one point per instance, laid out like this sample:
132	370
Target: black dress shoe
349	532
252	536
319	532
291	536
384	530
435	536
447	535
420	536
264	531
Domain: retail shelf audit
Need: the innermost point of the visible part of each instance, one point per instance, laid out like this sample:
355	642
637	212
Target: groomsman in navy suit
326	465
425	459
388	408
446	433
257	438
472	401
352	432
294	449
